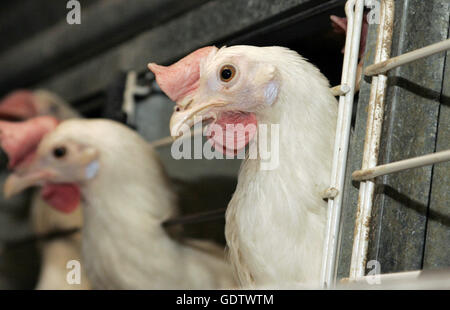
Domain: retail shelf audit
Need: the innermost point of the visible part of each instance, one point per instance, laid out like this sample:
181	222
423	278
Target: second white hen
126	196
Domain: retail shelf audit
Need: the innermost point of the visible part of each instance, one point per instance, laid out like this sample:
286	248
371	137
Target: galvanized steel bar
389	64
340	90
409	280
354	10
372	141
416	162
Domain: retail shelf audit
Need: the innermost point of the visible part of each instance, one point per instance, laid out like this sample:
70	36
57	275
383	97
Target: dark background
86	63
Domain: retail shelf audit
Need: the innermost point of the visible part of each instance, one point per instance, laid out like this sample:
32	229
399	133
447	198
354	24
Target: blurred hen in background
126	198
25	105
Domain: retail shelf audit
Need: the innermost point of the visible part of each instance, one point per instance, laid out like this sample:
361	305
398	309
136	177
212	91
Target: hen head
60	164
227	86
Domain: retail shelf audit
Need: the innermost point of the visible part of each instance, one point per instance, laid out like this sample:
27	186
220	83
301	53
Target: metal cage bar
416	162
370	169
392	63
372	141
354	10
410	280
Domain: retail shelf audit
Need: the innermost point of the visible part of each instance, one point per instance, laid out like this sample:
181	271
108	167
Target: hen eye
59	152
227	73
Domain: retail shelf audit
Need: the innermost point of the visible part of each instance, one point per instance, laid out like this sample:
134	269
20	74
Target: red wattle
63	197
241	129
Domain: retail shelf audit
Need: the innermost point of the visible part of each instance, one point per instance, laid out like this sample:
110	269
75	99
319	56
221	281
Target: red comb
339	24
181	78
19	139
18	105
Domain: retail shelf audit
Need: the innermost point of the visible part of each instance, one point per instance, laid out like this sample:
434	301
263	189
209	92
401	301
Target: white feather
124	244
44	219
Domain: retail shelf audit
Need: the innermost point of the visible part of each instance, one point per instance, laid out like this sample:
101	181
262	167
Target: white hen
275	222
126	197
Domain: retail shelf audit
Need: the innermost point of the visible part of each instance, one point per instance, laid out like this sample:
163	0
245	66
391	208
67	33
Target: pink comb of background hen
20	140
181	78
18	105
339	25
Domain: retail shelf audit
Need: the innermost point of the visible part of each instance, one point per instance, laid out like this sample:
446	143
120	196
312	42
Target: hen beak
182	121
20	181
38	173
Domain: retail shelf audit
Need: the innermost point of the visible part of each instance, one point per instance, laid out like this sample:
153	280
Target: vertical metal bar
372	141
355	11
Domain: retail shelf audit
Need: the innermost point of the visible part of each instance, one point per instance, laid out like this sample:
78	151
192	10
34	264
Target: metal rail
416	162
169	140
384	66
354	10
370	170
409	280
340	90
372	141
